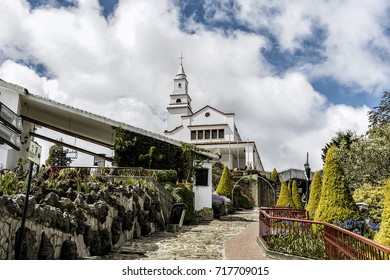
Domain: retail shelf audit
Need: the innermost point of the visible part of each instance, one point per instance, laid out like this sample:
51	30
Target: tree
57	156
296	197
315	194
367	160
336	203
373	196
275	176
224	185
342	137
383	236
381	113
284	199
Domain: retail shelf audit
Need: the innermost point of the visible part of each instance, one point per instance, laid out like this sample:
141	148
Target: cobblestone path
194	242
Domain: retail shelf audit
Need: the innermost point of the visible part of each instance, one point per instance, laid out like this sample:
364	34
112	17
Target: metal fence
288	231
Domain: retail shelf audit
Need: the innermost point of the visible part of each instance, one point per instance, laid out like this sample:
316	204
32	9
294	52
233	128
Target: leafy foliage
151	158
336	203
296	197
57	156
134	150
217	172
381	113
182	193
373	196
284	199
367	160
383	235
315	194
342	137
224	185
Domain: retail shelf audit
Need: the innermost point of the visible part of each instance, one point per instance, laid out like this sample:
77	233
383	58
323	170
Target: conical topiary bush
284	199
296	197
315	194
224	185
275	176
336	203
383	236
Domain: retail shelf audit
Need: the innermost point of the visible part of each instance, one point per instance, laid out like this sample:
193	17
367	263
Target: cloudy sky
294	72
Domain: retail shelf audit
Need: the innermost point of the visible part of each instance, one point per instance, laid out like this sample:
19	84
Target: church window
221	134
214	134
207	114
200	134
179	85
178	100
193	135
207	134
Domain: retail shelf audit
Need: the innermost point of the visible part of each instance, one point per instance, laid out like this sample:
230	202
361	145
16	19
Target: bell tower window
178	100
179	85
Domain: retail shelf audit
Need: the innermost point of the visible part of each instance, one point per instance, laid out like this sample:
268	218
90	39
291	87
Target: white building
208	128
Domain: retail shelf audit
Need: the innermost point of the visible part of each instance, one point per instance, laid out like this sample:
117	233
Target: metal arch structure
249	176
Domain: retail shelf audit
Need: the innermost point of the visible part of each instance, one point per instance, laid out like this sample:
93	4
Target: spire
181	74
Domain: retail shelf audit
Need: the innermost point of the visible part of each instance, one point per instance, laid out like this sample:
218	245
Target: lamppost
307	170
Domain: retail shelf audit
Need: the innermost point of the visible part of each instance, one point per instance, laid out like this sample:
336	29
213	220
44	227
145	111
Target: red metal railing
284	230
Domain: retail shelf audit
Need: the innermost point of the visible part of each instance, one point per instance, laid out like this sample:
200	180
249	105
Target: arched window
178	100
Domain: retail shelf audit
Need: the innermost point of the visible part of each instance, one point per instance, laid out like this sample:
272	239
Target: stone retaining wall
78	225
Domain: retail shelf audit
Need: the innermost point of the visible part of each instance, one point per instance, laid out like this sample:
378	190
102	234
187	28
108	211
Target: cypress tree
284	199
383	236
296	197
224	185
275	176
315	194
336	203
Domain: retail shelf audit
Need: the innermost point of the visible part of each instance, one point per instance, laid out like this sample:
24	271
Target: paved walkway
231	237
244	245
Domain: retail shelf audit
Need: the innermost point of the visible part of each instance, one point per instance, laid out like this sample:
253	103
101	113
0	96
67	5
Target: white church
208	128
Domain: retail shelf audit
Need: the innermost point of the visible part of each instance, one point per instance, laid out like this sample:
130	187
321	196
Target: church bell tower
180	101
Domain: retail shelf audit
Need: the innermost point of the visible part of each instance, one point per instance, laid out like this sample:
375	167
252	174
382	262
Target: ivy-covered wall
136	150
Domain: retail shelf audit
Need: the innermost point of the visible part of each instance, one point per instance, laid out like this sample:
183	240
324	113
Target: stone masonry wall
78	225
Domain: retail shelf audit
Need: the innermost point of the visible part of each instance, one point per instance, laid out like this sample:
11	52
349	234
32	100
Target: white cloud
123	69
356	49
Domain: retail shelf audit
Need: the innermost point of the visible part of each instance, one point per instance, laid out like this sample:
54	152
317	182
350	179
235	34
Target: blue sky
294	72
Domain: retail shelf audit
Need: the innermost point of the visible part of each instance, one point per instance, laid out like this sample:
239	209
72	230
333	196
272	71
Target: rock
66	204
68	250
100	211
128	220
116	229
80	220
29	248
95	247
52	199
46	249
80	201
105	241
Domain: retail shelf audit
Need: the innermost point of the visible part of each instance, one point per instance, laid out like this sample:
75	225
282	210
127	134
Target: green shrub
383	235
336	203
275	176
164	176
373	196
315	194
182	193
296	197
284	199
224	186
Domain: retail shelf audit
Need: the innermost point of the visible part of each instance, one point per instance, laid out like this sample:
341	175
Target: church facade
208	128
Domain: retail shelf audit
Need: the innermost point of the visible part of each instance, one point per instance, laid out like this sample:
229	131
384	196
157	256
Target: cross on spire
181	58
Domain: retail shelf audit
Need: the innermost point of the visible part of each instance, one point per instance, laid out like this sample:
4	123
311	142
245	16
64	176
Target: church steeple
180	101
